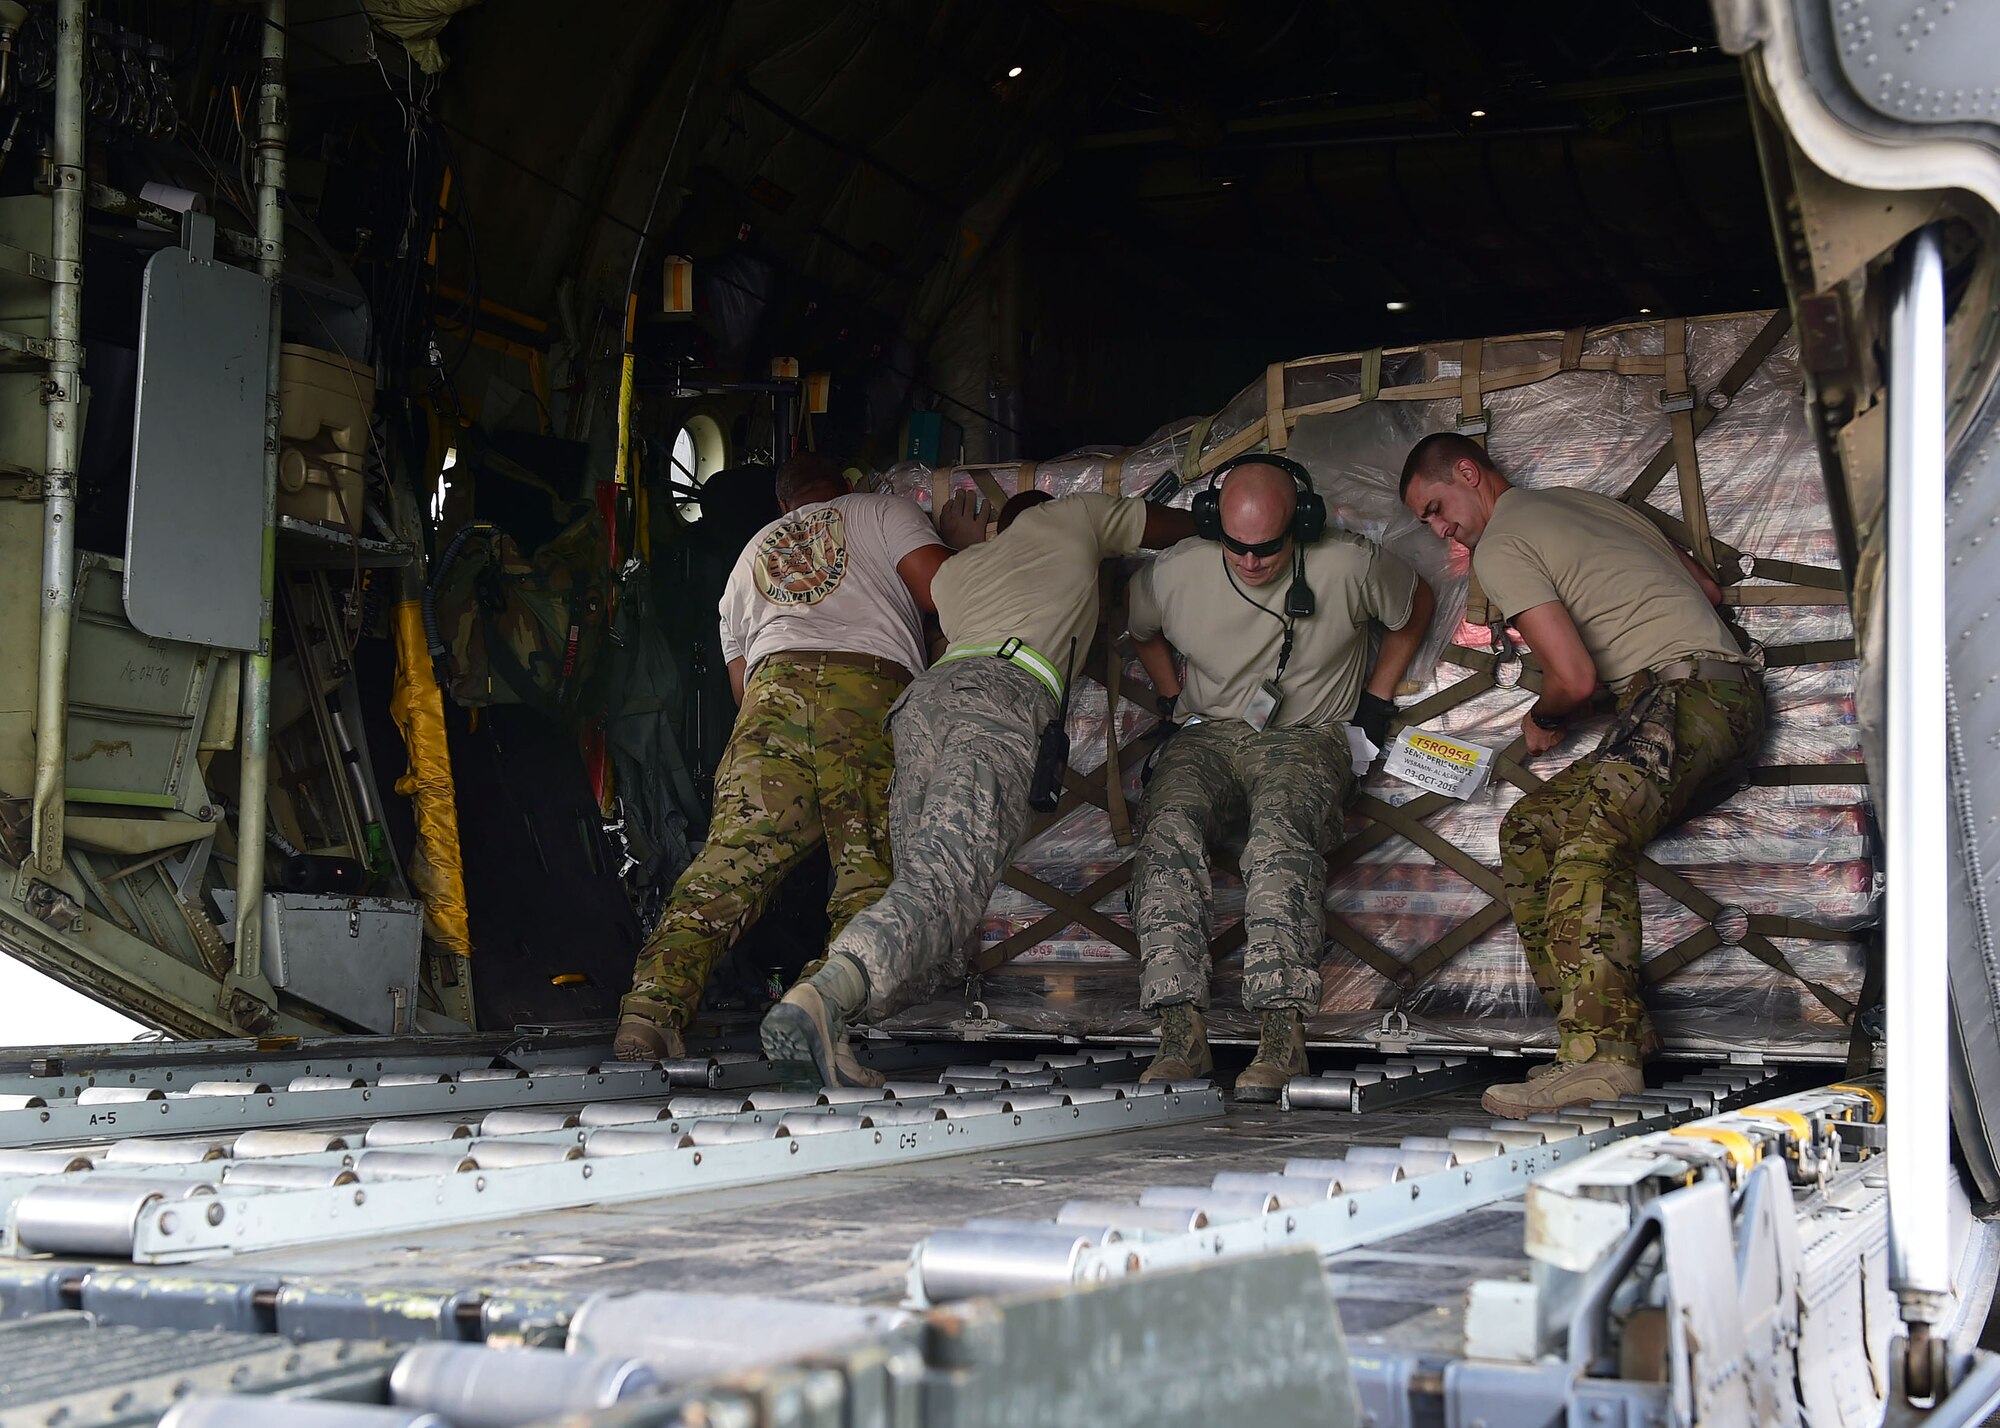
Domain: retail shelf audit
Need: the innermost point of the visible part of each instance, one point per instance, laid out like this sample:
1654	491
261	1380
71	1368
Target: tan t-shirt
1231	647
1037	580
824	578
1619	578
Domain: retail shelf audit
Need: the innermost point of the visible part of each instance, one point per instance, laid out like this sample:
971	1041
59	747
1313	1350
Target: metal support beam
247	994
64	396
1915	822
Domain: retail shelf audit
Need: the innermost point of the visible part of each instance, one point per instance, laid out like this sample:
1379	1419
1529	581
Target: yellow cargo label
1459	754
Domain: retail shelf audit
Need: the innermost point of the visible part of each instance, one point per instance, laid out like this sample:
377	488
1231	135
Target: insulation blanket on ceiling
1793	854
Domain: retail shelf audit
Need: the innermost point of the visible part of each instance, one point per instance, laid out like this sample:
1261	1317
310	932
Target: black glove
1372	716
1165	704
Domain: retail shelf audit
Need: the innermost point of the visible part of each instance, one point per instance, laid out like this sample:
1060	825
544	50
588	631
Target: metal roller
478	1074
415	1132
1353	1175
513	1154
228	1088
688	1107
972	1107
1092	1095
325	1083
561	1068
83	1217
163	1152
1464	1152
626	1068
414	1078
1291	1190
411	1164
852	1095
270	1176
1103	1234
1034	1100
687	1336
785	1100
958	1264
1413	1162
623	1113
1734	1082
1219	1205
1513	1140
472	1386
527	1122
1170	1219
692	1071
118	1095
22	1103
633	1140
799	1124
1620	1113
1318	1093
42	1162
913	1090
1669	1102
1136	1088
263	1144
899	1113
1589	1122
228	1410
1022	1068
973	1073
1394	1071
977	1085
732	1132
1551	1130
1199	1083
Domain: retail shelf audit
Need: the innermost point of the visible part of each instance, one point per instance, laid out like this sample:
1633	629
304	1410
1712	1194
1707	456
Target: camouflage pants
1276	795
966	735
808	760
1569	856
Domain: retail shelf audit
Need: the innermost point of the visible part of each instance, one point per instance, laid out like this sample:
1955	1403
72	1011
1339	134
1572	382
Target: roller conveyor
1008	1189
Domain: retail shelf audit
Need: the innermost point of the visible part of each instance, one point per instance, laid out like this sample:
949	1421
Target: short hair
1434	456
808	472
1021	501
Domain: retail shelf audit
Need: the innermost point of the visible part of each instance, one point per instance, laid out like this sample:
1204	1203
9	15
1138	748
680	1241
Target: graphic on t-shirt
802	560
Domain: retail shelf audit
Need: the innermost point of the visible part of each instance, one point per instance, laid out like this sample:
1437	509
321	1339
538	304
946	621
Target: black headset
1308	525
1308	510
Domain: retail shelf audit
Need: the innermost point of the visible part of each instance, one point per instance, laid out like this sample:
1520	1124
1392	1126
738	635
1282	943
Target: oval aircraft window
699	452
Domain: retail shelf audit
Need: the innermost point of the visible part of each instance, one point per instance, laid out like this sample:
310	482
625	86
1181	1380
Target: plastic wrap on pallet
1800	851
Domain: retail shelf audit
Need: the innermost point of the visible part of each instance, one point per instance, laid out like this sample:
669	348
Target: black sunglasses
1259	548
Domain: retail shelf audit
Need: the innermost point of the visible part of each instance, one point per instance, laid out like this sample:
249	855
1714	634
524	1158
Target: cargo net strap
1689	415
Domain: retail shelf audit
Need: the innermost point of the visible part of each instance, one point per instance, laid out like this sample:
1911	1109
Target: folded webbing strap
1694	503
1016	652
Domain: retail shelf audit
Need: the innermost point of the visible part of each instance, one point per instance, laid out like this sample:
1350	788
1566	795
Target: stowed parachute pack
508	628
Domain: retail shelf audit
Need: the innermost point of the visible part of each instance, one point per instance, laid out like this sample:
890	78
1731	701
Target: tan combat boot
806	1043
1567	1083
643	1039
1281	1055
1183	1053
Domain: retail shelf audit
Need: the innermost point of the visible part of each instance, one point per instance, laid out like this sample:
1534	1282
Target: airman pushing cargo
1274	634
1604	600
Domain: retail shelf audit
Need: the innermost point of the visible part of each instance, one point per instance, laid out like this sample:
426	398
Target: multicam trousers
1569	856
1278	795
809	760
966	736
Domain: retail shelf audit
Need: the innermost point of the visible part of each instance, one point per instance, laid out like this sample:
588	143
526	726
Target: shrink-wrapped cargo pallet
1758	914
